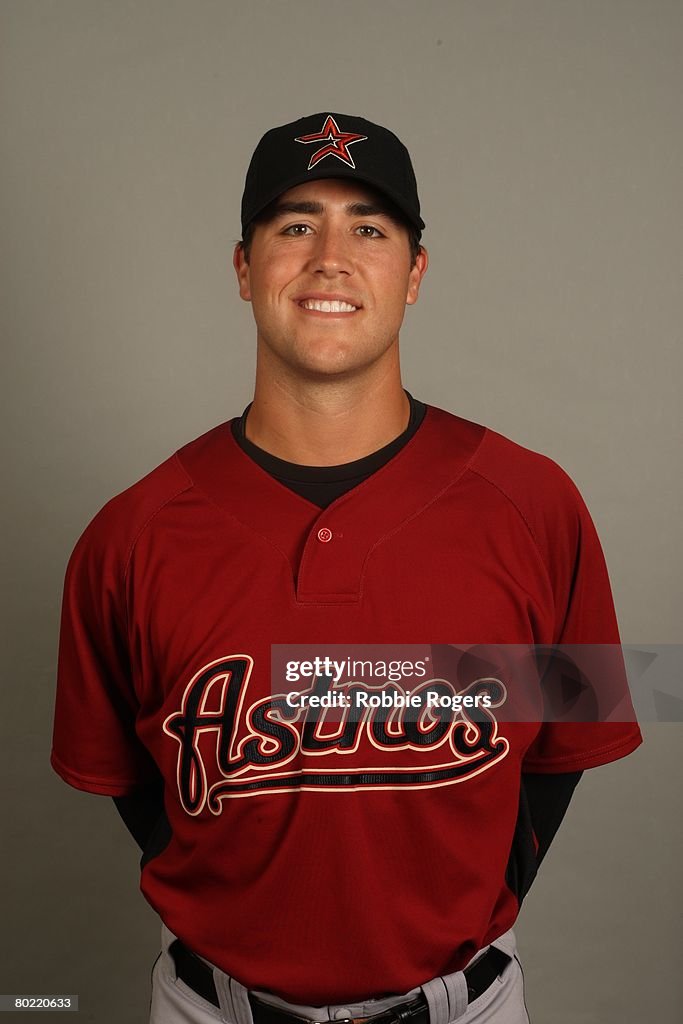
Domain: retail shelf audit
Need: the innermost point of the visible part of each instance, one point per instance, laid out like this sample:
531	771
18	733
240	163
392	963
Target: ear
242	270
416	274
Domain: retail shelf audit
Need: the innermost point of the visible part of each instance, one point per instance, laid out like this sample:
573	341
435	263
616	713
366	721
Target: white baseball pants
172	1002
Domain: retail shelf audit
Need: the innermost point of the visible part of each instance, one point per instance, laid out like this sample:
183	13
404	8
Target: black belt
199	977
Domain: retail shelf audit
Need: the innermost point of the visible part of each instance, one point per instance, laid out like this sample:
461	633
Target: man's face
328	279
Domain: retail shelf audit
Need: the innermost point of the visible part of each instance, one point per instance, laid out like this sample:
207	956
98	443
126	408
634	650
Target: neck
327	422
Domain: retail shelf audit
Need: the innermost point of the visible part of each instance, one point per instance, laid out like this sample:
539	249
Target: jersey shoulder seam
188	485
242	524
462	472
520	513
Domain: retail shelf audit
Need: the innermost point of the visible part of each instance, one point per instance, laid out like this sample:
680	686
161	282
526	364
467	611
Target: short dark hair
388	208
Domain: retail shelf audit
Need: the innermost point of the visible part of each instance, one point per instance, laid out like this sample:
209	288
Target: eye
366	231
295	229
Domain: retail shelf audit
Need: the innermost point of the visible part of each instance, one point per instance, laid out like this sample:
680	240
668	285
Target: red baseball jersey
326	867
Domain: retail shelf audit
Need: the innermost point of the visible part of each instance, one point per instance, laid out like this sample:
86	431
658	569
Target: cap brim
334	172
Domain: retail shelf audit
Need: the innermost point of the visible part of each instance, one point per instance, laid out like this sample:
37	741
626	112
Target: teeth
333	306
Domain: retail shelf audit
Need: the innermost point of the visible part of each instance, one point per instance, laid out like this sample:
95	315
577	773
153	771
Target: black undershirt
544	798
322	485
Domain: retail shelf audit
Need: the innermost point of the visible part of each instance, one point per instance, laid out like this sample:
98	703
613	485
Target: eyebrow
315	208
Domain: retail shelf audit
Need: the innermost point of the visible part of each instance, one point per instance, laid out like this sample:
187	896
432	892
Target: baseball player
311	866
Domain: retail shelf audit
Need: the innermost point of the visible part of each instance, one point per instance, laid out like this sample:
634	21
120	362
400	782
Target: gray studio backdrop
546	139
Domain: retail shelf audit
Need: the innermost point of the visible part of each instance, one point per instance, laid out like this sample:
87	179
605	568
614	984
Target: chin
321	370
331	363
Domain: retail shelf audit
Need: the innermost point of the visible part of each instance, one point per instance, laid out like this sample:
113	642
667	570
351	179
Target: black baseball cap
330	146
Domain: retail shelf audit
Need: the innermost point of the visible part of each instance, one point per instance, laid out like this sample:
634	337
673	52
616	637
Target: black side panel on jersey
145	817
158	840
522	866
543	802
322	485
548	796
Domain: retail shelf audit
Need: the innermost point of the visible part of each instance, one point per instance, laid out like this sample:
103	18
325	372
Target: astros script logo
227	748
336	143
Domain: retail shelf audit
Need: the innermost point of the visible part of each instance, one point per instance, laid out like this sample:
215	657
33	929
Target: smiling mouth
327	306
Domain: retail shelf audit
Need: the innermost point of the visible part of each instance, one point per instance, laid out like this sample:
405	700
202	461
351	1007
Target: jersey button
324	535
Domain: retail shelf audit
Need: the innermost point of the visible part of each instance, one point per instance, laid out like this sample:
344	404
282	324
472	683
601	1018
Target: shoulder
533	481
529	482
112	533
512	484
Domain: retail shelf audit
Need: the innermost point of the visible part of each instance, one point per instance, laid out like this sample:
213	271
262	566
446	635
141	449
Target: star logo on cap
337	143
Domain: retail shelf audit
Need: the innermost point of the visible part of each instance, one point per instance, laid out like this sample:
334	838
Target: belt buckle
342	1020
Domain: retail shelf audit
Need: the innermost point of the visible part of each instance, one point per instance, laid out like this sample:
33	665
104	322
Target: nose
331	253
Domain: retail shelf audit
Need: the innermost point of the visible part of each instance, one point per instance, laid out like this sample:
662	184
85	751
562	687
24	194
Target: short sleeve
585	614
95	746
